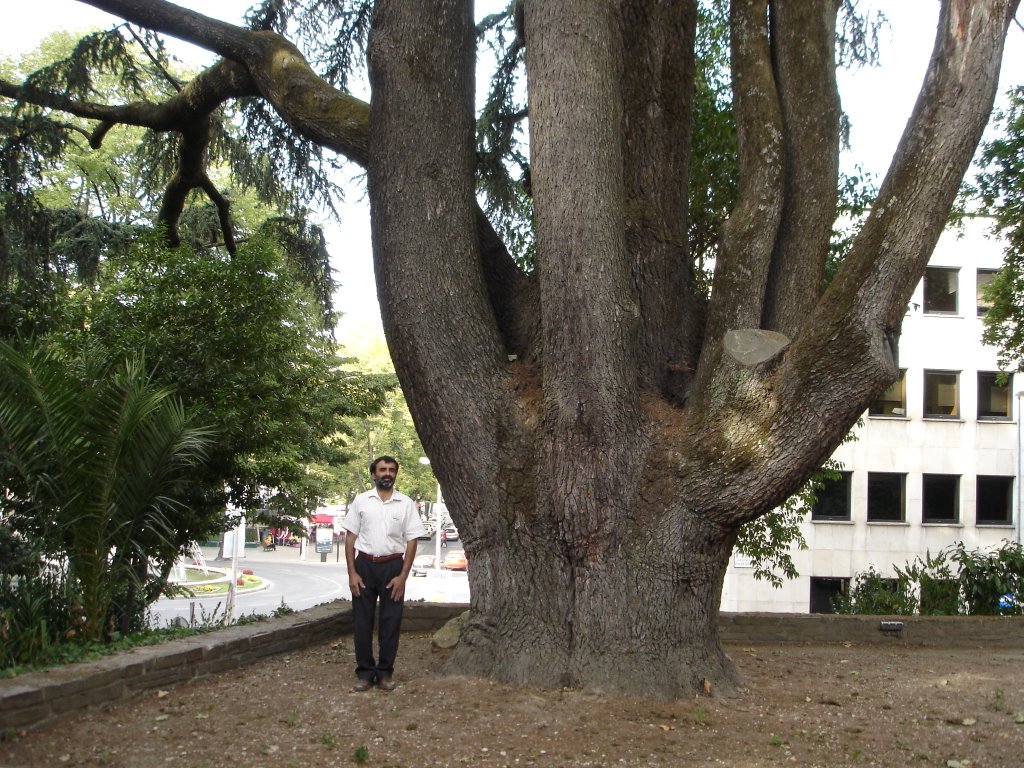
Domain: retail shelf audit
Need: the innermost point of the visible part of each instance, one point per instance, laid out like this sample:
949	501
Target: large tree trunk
598	514
602	430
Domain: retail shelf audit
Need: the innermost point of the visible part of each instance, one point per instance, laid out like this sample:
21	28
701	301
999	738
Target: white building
936	459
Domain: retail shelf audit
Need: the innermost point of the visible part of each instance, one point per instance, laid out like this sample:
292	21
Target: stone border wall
37	698
991	632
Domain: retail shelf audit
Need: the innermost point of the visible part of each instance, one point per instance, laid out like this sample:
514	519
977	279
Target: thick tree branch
748	236
845	351
205	93
657	88
187	113
191	174
305	101
588	304
803	45
590	316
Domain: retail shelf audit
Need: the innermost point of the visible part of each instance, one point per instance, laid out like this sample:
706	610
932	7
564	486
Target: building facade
935	459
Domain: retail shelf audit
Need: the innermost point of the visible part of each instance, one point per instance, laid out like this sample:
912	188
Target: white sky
878	101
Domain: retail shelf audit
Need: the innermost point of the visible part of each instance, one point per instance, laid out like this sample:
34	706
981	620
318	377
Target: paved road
300	584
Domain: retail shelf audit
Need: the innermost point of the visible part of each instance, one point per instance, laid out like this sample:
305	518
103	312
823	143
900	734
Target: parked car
422	564
455	560
430	531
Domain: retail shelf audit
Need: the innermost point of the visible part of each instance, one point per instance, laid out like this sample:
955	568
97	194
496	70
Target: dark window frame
940	499
823	589
876	486
992	498
936	297
981	304
884	405
935	413
835	494
1008	388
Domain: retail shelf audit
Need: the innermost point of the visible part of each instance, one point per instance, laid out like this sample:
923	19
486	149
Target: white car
422	564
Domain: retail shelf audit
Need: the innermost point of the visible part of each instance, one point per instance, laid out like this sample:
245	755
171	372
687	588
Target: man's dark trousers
375	578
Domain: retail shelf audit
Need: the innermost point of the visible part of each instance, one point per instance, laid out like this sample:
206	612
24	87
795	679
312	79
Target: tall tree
244	338
241	340
600	428
998	193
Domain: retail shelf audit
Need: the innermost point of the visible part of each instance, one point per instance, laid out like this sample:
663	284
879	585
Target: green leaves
999	193
242	341
95	459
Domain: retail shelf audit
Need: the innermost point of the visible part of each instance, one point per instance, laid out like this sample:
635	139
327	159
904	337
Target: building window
941	395
993	397
985	278
886	497
892	402
940	288
825	591
833	499
994	500
940	498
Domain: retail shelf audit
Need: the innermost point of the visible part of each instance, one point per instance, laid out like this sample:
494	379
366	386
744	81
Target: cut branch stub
753	346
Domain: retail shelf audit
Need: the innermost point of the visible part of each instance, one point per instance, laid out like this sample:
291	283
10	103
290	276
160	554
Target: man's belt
379	558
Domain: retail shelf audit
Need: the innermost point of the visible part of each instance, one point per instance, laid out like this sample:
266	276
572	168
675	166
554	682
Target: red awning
323	519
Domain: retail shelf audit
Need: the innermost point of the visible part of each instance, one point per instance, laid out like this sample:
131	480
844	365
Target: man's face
384	475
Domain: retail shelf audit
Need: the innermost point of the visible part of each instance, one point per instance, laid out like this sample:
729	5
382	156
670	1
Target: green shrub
991	582
871	593
937	587
35	612
954	581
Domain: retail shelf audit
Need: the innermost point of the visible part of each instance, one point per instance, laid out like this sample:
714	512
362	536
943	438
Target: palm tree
94	461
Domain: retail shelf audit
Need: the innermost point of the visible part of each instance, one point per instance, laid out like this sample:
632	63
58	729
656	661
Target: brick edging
993	632
37	698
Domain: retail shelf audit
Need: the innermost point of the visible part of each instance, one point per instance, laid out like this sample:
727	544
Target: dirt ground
802	706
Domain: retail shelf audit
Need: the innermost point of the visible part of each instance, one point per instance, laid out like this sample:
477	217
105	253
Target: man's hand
355	583
397	586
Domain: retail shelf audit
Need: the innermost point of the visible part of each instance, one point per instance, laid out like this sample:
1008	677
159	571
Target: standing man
380	544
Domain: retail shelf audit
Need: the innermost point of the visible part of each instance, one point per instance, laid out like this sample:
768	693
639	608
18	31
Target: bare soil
802	705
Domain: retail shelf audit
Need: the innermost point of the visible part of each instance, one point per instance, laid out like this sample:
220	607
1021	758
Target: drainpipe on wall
1020	414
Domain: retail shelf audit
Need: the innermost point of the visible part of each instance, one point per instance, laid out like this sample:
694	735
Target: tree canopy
238	322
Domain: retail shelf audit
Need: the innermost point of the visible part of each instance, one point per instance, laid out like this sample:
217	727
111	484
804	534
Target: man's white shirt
383	527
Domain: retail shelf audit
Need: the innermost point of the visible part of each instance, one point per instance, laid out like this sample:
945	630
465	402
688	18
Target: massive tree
601	428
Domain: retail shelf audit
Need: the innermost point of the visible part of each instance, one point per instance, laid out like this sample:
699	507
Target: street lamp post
437	521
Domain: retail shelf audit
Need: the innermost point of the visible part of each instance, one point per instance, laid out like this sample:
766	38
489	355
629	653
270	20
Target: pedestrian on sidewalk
380	544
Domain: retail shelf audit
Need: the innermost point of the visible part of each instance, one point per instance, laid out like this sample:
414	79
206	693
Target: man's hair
386	460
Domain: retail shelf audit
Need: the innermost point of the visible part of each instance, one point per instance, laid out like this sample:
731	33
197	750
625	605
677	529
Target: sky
878	101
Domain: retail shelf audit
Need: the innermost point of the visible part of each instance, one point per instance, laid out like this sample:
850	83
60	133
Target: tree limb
845	352
306	102
803	46
203	94
657	92
748	236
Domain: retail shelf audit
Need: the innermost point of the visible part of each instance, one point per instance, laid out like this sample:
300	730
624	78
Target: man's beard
384	483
